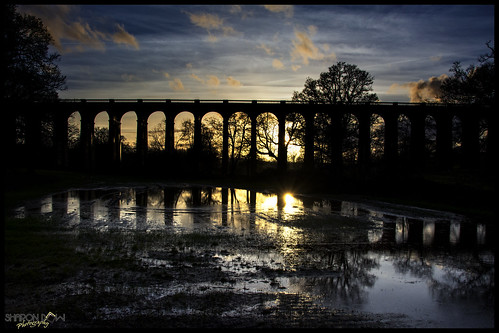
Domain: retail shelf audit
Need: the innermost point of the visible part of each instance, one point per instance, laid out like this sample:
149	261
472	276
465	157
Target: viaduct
470	116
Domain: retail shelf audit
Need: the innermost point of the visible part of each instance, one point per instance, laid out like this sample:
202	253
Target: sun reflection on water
323	236
285	216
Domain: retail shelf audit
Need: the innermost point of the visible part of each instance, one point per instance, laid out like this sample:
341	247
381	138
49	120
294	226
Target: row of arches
313	135
239	124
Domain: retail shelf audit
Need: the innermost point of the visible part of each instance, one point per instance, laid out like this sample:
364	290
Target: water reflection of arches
445	256
159	205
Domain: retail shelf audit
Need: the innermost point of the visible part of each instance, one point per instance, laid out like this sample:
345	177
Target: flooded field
212	256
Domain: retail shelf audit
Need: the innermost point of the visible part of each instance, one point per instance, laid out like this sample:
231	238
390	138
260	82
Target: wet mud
191	256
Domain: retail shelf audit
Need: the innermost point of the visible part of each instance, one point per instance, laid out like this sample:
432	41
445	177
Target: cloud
197	78
212	38
286	9
266	48
229	31
213	81
305	49
123	37
233	82
63	26
234	9
206	21
212	22
421	91
277	64
238	10
176	84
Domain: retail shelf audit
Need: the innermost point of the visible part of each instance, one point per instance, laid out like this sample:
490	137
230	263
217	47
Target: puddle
434	268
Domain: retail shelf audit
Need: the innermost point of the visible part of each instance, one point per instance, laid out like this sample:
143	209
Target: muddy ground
162	279
211	278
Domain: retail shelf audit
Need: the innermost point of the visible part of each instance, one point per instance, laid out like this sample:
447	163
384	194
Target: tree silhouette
267	135
30	72
342	84
157	137
476	84
239	138
185	138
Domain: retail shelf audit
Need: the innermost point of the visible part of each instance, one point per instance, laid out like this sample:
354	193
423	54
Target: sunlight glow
269	203
289	199
290	204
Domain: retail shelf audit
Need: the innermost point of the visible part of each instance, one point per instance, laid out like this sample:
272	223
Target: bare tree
267	135
239	138
157	137
475	84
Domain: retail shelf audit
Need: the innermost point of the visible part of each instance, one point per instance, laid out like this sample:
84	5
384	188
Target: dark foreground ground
96	280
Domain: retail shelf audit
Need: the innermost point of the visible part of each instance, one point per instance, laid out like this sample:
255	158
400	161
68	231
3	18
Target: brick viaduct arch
470	116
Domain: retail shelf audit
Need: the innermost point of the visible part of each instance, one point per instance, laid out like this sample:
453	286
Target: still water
434	268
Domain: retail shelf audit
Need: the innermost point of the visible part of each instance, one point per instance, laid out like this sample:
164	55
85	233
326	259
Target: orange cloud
57	19
213	81
206	21
277	64
305	49
123	37
421	91
286	9
211	23
197	78
176	84
266	48
233	82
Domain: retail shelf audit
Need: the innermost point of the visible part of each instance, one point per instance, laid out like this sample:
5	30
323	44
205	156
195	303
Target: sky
248	52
